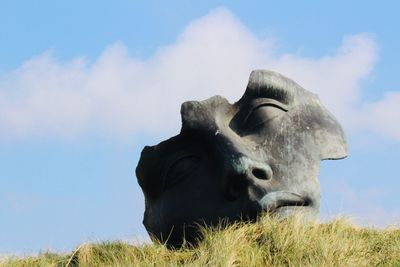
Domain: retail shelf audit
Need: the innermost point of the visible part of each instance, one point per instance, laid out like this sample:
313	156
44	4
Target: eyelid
255	104
175	160
172	163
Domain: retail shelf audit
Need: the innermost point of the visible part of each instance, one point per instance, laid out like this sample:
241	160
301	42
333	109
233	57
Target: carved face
234	161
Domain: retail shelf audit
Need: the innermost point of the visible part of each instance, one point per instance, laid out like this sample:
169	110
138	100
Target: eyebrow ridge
277	93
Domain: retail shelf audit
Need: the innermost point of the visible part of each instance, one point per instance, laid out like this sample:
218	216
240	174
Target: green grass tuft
270	242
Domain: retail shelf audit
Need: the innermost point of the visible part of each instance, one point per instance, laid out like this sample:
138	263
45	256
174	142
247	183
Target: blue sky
84	86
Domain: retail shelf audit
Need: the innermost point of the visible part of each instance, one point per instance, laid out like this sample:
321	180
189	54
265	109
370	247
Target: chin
304	213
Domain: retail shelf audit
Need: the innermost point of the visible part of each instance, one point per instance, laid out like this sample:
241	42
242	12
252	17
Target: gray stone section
235	161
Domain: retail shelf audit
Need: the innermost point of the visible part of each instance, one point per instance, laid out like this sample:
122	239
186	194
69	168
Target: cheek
194	197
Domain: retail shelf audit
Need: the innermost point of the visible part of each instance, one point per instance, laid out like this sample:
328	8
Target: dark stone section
235	161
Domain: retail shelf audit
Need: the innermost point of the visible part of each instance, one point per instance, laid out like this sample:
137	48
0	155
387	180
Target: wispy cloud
121	95
364	205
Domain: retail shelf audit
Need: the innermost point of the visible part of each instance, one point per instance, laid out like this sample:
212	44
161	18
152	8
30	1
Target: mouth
274	201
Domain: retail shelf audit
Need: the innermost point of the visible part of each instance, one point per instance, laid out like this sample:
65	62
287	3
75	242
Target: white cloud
383	116
122	95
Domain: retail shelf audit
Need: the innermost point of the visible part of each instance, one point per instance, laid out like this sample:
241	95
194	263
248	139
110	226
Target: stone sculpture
235	161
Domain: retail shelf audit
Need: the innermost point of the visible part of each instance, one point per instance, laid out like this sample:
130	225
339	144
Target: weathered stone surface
234	161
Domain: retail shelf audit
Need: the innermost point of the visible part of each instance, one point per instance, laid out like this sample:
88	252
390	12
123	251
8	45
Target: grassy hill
267	243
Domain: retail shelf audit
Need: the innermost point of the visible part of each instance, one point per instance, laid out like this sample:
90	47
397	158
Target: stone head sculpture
235	161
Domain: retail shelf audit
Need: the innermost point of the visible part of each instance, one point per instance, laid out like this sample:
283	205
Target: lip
280	199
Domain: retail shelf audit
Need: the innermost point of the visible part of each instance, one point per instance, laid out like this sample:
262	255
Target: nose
251	168
247	177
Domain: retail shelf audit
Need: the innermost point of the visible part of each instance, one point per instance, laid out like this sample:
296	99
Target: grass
269	242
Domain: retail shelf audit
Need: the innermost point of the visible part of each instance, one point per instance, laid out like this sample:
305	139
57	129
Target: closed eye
179	170
262	111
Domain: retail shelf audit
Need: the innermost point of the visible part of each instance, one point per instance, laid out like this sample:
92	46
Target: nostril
260	174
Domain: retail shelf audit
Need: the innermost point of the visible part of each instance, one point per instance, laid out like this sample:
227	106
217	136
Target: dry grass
267	243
